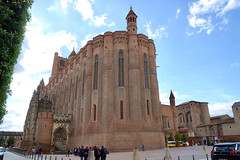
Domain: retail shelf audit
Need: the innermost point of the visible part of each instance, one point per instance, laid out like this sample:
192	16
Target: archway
60	139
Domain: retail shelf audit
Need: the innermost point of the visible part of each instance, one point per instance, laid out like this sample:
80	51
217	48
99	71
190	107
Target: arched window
84	70
94	112
121	109
147	107
145	71
95	72
130	19
76	87
121	68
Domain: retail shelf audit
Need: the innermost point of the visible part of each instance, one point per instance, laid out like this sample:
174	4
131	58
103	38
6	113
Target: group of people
85	152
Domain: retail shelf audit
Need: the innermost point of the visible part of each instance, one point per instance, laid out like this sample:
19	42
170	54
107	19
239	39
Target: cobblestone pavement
184	153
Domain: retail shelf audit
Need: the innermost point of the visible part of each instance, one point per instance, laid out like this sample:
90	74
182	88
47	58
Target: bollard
62	158
55	158
50	157
193	157
46	157
42	157
207	156
178	157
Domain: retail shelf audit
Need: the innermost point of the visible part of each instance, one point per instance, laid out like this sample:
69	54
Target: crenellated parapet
62	118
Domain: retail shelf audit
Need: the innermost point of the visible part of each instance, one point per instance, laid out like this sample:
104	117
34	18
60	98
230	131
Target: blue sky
197	45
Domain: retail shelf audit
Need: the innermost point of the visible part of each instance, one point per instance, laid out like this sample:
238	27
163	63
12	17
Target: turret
236	111
131	22
172	104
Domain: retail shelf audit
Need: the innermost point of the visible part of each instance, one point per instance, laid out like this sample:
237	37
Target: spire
42	83
73	53
131	12
171	95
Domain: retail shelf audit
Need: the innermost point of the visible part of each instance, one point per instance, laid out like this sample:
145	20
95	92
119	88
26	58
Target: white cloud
158	33
64	3
100	20
51	8
111	24
36	60
177	13
221	108
86	39
210	14
85	8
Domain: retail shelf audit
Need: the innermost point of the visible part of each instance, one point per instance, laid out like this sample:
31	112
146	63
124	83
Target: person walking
33	151
86	153
81	152
103	153
97	153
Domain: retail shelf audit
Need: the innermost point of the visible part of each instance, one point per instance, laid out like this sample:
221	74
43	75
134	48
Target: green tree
184	137
170	138
11	141
14	16
177	137
2	141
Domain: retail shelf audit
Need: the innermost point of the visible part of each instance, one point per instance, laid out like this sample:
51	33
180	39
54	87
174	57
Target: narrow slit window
121	68
95	72
94	112
147	107
84	70
121	109
146	71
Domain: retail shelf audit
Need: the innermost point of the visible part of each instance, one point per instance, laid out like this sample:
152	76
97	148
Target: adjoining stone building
106	94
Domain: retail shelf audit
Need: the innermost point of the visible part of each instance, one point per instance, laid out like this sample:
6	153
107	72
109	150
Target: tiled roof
236	104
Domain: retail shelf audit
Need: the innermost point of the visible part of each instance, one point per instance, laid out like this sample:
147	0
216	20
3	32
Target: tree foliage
2	141
170	138
184	137
11	141
14	16
177	137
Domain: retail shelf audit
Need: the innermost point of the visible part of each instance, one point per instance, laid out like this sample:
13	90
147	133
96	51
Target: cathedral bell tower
131	22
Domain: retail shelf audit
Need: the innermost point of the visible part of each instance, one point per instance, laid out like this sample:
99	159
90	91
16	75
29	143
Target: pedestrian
143	149
33	151
81	152
103	153
40	150
97	153
86	153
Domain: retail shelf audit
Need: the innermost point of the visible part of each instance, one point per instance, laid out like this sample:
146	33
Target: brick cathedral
106	94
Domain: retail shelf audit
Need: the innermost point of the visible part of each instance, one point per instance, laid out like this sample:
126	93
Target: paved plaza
184	153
